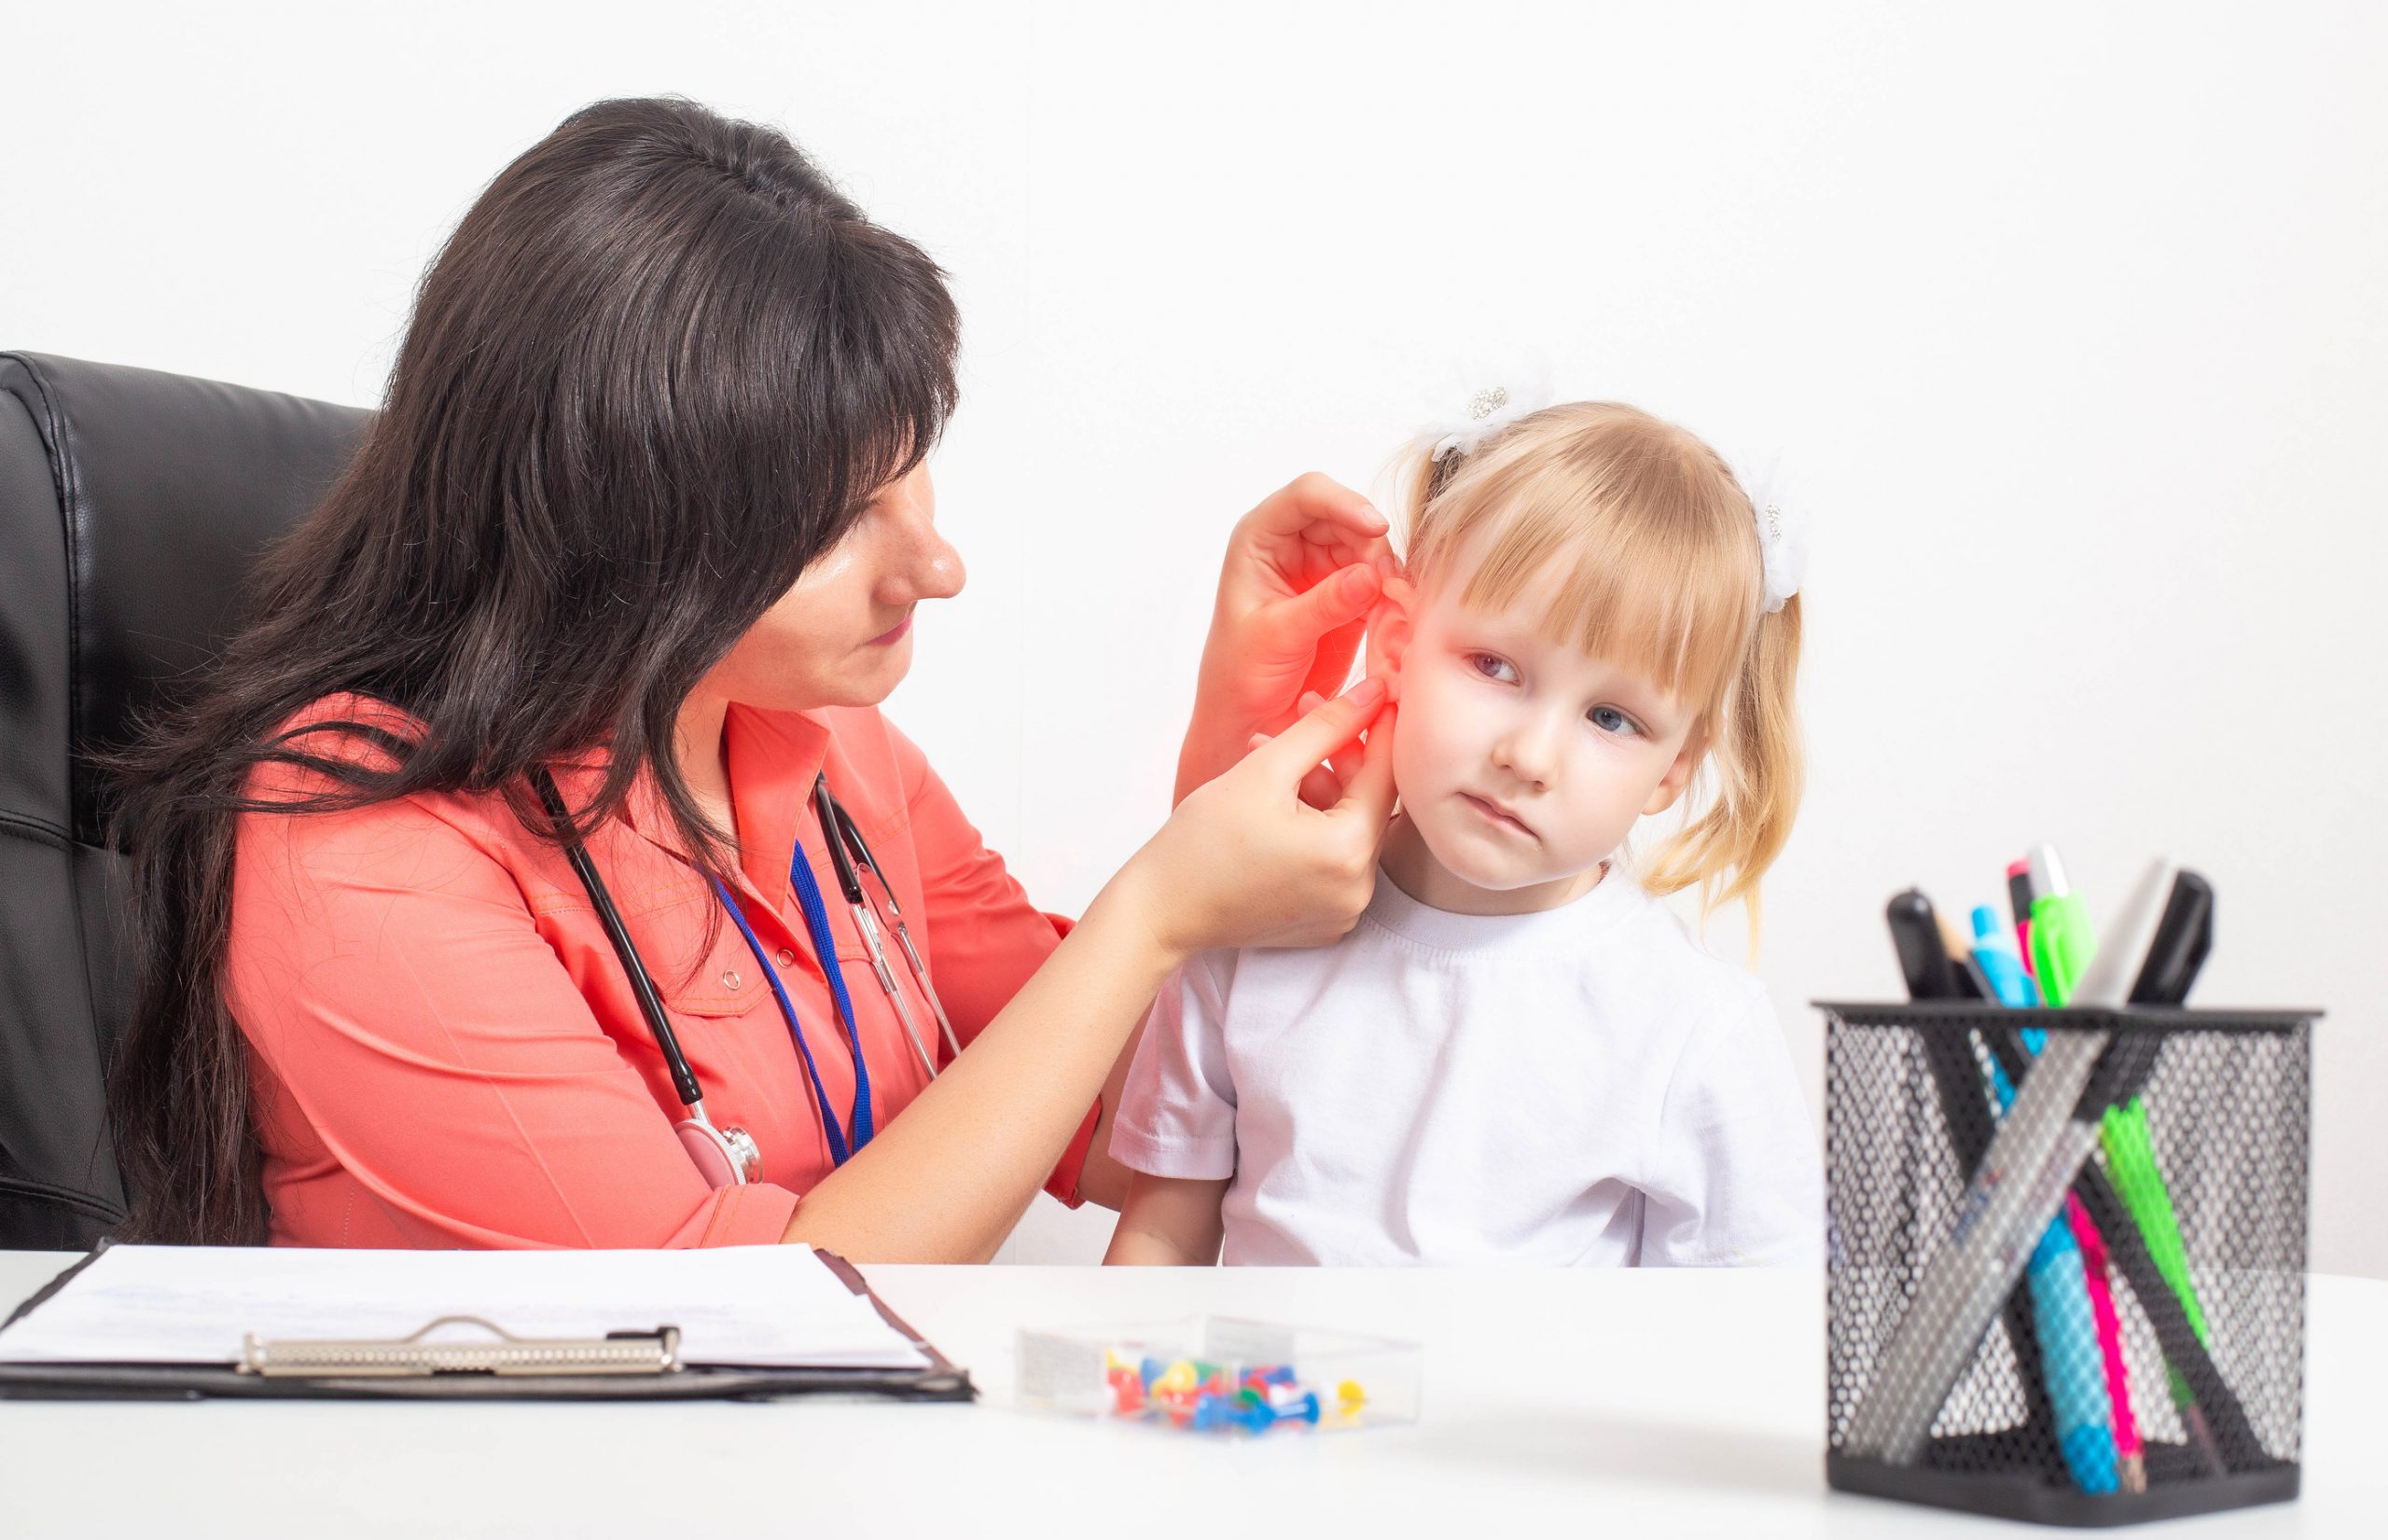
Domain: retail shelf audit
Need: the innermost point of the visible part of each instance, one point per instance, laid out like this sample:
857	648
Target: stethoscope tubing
841	836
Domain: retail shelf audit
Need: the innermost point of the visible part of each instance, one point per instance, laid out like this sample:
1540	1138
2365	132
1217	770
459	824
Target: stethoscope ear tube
650	1004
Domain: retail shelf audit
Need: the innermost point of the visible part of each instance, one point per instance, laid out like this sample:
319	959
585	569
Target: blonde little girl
1518	1055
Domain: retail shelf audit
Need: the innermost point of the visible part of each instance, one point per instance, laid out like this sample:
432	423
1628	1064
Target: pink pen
2018	891
2130	1463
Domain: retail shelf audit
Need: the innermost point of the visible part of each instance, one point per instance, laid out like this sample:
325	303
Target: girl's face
1521	763
843	636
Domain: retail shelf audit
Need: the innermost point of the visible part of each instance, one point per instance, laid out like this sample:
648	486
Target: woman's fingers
1369	795
1321	732
1312	499
1334	603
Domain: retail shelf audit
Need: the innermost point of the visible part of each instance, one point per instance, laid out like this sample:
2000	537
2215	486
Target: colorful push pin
1210	1412
1280	1375
1348	1398
1151	1371
1127	1391
1255	1416
1291	1403
1179	1376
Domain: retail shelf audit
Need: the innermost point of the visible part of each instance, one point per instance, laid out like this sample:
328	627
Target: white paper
755	1306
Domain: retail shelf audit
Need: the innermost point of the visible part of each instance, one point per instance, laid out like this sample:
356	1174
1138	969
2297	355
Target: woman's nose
923	564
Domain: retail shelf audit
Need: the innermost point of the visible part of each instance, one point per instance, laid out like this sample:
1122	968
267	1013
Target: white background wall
2074	319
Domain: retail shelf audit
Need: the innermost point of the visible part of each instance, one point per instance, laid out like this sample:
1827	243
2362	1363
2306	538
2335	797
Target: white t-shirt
1580	1087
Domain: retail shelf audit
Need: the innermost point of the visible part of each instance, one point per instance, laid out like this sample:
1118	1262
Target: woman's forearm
946	1181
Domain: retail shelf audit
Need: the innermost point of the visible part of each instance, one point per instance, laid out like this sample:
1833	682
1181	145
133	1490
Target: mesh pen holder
2146	1360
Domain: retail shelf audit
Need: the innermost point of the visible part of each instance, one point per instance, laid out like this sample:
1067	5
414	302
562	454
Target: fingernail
1358	580
1367	693
1310	701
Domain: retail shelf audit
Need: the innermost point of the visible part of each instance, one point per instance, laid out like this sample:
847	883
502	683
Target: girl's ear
1670	787
1388	630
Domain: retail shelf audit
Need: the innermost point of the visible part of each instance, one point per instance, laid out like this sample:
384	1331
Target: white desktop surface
1633	1404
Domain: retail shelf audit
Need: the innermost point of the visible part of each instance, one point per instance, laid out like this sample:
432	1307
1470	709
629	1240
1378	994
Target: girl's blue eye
1490	667
1610	719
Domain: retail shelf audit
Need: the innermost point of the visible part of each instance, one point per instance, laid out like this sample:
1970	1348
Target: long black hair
660	366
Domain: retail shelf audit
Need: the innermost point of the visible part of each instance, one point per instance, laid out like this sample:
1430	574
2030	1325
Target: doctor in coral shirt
380	1008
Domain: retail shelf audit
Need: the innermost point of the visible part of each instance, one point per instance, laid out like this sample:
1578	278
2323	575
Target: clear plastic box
1221	1375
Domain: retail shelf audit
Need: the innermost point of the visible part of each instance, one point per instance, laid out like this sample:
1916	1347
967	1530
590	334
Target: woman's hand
1247	862
1301	571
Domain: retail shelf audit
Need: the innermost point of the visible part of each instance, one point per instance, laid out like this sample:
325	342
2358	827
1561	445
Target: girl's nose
1529	749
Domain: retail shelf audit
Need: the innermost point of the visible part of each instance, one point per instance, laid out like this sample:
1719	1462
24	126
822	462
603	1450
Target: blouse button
787	958
730	980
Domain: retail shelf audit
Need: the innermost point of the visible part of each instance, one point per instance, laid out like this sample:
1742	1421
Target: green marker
2063	943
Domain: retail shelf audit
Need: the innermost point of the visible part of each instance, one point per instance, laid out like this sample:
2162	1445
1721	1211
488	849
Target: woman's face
843	636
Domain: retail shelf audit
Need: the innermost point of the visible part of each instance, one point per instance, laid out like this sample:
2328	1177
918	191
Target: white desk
1584	1403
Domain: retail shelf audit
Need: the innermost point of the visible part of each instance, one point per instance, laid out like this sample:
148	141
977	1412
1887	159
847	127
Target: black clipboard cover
939	1379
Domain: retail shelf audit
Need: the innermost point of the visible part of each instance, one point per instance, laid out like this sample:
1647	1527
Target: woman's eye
1491	667
1610	719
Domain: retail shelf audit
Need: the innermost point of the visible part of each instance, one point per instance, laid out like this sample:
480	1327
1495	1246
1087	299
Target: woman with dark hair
621	570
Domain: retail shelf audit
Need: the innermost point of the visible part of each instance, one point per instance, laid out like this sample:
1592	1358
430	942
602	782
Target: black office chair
131	505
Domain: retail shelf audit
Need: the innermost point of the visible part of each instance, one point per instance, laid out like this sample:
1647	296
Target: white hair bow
1781	532
1481	402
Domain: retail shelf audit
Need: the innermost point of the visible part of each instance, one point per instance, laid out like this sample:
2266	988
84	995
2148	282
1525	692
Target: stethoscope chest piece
725	1158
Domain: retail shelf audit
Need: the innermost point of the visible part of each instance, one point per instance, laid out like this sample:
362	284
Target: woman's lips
884	640
1494	815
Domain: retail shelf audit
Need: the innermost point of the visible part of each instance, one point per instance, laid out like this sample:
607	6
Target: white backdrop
2074	321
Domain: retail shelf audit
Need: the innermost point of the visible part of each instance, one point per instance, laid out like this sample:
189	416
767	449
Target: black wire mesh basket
2067	1258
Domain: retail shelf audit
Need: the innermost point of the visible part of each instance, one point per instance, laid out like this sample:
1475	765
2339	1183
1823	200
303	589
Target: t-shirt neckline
1567	928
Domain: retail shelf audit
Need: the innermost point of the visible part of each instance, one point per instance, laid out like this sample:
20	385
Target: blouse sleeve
983	937
390	974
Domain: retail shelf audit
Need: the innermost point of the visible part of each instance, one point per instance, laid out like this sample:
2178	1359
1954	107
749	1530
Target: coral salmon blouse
446	1053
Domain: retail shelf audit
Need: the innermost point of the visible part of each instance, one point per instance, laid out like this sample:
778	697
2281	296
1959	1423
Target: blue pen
2000	965
2071	1360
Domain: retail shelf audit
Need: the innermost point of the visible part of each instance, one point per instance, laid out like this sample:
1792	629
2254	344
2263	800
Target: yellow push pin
1348	1398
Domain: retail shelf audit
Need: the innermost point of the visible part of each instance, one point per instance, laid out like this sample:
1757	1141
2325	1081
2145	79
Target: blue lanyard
825	946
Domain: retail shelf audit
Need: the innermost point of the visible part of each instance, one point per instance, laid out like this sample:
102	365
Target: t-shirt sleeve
1738	1180
1177	1111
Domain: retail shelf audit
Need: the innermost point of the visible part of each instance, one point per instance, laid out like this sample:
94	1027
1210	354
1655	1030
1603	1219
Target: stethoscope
728	1156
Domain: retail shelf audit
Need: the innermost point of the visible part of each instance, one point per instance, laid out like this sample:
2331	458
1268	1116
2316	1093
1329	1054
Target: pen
2063	943
2002	967
2036	1153
2018	899
1925	966
2131	1464
2081	1341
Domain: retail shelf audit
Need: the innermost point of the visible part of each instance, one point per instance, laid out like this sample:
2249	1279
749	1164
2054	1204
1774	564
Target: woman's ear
1389	634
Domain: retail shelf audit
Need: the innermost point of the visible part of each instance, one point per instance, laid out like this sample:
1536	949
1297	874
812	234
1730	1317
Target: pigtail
1760	771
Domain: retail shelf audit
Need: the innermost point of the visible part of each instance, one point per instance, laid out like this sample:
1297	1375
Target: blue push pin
1290	1407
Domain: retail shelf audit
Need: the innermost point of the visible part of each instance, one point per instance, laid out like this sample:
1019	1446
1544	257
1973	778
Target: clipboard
641	1364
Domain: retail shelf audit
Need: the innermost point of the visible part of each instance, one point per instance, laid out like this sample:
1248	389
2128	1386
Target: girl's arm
1243	862
1168	1221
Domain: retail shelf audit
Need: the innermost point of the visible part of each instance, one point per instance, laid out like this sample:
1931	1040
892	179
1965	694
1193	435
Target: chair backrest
131	507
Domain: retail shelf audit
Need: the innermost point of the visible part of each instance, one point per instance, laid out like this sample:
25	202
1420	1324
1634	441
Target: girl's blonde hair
1659	569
